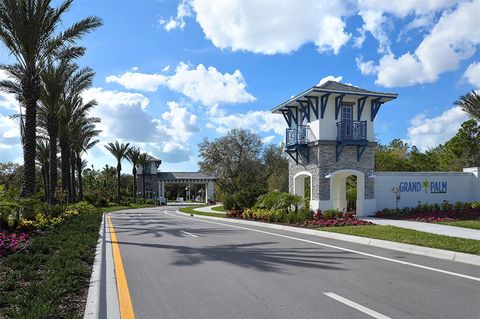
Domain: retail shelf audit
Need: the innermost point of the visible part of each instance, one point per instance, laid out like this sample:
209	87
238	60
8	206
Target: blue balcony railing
297	136
352	132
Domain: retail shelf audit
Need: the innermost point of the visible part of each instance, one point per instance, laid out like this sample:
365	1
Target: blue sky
169	73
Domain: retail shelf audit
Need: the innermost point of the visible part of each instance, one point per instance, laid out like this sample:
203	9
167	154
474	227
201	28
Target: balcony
352	132
297	136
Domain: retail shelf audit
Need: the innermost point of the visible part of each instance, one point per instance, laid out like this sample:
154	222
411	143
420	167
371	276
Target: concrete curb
92	308
407	248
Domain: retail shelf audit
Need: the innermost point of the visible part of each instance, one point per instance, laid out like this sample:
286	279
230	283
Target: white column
210	191
360	194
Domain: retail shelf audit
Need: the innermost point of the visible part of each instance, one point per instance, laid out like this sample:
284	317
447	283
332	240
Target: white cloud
178	22
124	117
427	133
115	98
7	101
259	121
440	51
138	81
377	24
269	26
330	78
268	139
367	67
472	74
166	69
405	7
200	84
181	123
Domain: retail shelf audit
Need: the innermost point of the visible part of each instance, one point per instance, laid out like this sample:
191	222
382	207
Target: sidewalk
208	209
429	227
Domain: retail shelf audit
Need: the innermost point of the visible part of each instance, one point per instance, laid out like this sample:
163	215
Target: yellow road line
124	301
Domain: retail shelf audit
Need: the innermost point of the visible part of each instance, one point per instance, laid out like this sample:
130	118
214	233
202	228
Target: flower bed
11	242
432	216
336	222
301	218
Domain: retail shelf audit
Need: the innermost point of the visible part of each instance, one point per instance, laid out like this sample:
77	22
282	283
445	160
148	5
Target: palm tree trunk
119	169
29	147
72	173
143	183
134	172
66	181
45	183
31	92
79	178
53	170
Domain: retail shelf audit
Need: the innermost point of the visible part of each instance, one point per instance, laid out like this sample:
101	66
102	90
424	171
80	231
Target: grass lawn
219	209
189	210
50	278
474	223
132	206
409	236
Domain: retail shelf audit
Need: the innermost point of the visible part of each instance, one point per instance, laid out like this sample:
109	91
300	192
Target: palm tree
133	155
83	131
54	80
143	161
42	156
470	103
119	151
28	29
73	110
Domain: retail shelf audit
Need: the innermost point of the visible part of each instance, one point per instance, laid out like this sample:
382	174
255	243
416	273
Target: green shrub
330	214
267	201
82	207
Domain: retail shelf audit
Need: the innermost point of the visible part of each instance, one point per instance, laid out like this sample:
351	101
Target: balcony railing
352	132
297	136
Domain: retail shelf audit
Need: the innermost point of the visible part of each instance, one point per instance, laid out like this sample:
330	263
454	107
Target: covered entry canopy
186	178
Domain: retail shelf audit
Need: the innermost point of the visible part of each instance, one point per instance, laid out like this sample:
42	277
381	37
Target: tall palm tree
74	109
119	151
42	156
28	29
54	80
143	161
133	155
470	103
83	131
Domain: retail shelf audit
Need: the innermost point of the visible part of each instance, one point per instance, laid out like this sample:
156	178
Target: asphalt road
183	267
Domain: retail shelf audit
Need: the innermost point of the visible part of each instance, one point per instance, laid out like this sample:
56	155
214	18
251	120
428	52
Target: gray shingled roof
183	175
337	86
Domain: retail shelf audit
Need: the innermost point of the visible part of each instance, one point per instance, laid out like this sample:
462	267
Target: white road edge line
339	248
357	306
186	232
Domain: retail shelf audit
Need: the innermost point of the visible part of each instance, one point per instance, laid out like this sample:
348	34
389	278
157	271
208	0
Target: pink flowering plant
11	242
444	212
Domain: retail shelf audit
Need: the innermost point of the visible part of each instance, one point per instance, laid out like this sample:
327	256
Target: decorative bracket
338	104
305	110
360	150
361	104
323	104
313	105
374	107
338	151
288	118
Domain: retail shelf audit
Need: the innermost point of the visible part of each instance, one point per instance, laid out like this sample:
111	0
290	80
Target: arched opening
347	191
303	187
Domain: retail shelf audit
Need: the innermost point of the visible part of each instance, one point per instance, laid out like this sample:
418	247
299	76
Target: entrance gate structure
329	137
156	181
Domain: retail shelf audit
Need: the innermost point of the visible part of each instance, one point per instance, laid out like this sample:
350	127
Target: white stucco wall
447	186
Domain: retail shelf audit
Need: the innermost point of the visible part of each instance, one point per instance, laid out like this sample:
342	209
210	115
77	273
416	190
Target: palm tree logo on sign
425	185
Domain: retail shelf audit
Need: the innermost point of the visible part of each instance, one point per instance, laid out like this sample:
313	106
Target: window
347	120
